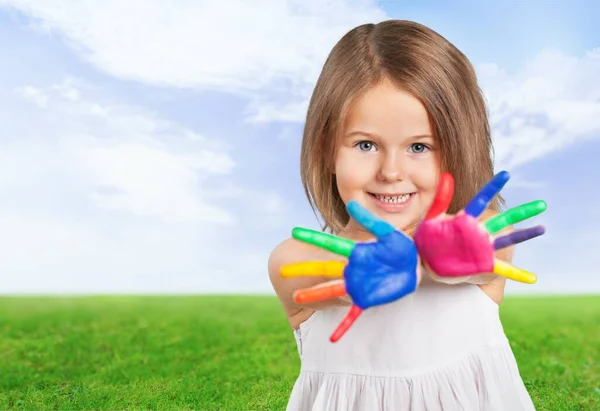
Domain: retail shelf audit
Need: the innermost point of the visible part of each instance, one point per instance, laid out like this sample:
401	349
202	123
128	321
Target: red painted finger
443	197
354	312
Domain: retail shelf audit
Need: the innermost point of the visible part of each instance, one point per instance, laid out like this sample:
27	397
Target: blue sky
156	149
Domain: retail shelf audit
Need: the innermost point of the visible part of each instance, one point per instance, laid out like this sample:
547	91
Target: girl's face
387	159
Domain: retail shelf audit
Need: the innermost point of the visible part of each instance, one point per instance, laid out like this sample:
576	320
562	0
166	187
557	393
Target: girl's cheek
354	168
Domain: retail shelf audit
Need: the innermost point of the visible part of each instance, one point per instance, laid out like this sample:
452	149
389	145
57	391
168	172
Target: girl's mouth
393	202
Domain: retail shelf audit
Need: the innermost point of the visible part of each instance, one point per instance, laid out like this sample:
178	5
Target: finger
513	273
443	196
314	269
368	220
515	215
329	242
481	200
519	236
354	312
321	293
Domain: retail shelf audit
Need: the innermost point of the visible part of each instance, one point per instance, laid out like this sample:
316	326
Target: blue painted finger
481	200
369	221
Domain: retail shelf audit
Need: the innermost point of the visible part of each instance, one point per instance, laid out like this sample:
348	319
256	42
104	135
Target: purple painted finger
519	236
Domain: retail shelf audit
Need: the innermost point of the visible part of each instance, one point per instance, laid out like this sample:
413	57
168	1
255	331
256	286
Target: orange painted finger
320	293
443	196
314	269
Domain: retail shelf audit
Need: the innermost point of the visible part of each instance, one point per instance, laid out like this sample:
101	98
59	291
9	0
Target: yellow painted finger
320	293
513	273
314	269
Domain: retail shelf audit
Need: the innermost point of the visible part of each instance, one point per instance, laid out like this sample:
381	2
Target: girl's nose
390	169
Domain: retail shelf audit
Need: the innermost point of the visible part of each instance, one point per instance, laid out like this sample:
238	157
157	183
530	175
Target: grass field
236	353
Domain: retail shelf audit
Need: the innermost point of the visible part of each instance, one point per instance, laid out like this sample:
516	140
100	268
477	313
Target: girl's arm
291	251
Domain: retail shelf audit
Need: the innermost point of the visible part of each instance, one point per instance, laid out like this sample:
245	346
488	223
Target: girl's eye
418	148
366	146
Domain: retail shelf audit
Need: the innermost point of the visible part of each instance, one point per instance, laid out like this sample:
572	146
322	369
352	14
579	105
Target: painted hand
460	245
375	273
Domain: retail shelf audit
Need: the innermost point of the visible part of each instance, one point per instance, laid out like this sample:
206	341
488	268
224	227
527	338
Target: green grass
237	353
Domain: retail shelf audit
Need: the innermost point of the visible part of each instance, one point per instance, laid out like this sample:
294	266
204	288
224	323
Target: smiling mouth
392	199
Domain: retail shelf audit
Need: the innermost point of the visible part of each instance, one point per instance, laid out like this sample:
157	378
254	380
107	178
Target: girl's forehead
385	110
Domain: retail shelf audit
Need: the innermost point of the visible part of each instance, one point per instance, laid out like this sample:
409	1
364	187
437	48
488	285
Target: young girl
395	106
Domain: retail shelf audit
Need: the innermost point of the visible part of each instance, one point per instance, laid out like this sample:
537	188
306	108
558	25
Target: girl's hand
376	272
460	245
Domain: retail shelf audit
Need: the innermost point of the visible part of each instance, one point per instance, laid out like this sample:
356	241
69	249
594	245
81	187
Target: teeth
396	199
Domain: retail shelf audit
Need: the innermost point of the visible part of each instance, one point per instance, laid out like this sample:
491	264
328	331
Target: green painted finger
329	242
515	215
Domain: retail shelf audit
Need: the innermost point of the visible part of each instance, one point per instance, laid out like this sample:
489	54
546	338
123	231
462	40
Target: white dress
441	348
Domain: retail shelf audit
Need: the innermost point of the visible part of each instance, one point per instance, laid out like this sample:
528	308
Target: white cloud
235	45
103	197
34	95
271	52
151	181
264	111
43	253
125	160
553	102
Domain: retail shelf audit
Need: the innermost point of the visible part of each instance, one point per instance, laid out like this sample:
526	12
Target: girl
395	106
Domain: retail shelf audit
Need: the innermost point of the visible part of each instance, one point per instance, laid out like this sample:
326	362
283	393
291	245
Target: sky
154	148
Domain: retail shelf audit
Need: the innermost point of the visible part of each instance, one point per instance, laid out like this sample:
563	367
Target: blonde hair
421	62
